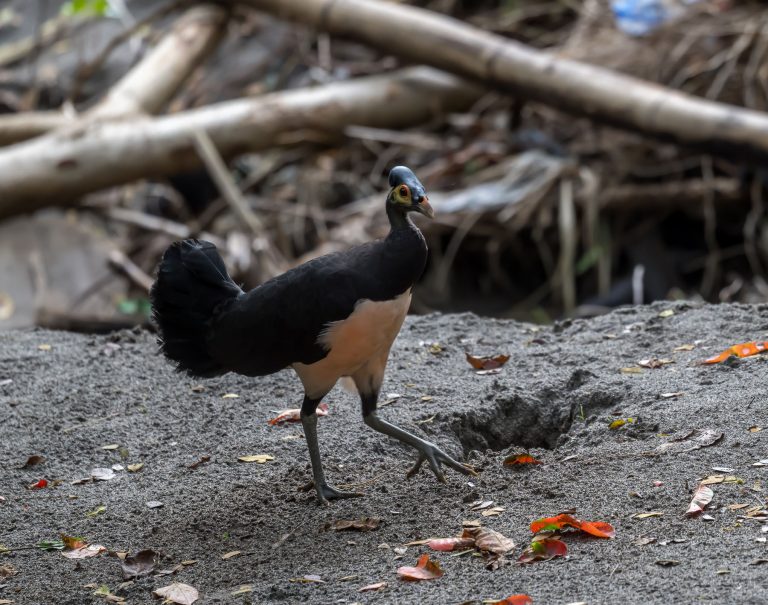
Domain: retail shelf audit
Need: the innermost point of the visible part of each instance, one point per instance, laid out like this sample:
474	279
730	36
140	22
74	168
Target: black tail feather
192	286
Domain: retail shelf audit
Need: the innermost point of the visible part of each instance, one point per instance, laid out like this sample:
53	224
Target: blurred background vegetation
540	214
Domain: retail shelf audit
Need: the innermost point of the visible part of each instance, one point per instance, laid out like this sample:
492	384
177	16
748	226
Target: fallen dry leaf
692	440
493	512
654	363
425	569
84	552
308	579
102	474
181	594
257	458
685	348
6	571
371	587
514	459
746	349
231	553
632	370
141	564
154	504
701	498
451	544
647	515
44	347
202	460
543	549
363	524
230	396
244	589
72	542
34	460
294	415
135	468
111	446
487	363
490	541
671	395
598	529
620	422
515	599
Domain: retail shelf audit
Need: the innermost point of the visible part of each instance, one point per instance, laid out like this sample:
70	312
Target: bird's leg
324	491
427	451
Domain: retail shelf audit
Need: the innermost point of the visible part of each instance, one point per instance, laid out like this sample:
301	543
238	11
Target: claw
328	492
435	456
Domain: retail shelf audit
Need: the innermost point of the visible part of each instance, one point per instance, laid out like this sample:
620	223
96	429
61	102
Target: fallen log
57	168
147	87
572	86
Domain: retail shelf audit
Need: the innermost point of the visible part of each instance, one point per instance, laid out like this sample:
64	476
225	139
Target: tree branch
572	86
146	88
57	168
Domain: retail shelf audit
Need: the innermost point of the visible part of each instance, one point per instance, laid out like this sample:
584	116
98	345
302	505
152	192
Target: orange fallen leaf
487	363
598	529
515	599
425	569
294	415
543	549
746	349
701	497
450	544
71	543
520	459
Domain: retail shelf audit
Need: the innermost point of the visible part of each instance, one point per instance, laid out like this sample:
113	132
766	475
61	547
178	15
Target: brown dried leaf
489	541
362	524
141	564
34	460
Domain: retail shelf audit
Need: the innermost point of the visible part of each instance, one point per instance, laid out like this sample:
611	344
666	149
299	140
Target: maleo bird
334	316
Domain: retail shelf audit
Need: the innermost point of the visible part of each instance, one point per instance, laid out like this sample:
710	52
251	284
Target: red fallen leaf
487	363
38	484
593	528
294	415
449	544
515	599
543	549
701	498
425	569
520	459
746	349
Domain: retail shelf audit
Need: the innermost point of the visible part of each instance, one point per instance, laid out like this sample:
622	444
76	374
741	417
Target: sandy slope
557	395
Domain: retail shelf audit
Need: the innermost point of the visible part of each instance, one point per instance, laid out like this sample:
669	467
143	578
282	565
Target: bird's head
407	193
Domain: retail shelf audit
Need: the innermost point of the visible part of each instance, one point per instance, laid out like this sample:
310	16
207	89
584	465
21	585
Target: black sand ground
558	394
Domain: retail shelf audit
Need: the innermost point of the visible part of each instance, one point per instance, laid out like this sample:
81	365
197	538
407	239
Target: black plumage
334	316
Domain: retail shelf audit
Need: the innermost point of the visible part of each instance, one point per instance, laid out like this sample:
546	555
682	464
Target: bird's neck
398	219
406	250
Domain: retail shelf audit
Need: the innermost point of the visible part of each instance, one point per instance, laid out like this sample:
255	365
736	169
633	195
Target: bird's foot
327	492
435	456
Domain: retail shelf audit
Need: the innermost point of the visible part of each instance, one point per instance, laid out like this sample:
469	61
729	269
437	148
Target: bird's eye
403	191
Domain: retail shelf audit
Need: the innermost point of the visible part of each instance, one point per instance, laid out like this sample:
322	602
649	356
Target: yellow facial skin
401	195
